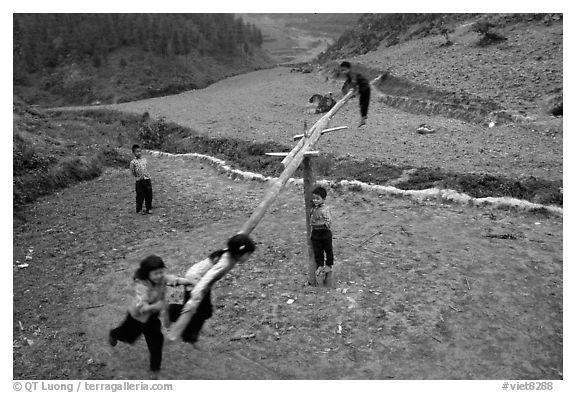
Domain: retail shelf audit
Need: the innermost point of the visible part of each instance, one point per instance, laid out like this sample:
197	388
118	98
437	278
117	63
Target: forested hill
88	58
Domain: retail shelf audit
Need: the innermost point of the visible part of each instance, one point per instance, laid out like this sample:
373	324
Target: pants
364	100
131	329
322	244
143	193
204	312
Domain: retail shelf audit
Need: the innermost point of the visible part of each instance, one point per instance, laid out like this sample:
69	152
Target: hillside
519	78
79	59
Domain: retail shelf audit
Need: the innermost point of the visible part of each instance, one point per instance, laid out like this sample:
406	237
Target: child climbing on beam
190	318
360	84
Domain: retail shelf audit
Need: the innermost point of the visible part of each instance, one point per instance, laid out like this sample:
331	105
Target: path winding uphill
271	105
443	292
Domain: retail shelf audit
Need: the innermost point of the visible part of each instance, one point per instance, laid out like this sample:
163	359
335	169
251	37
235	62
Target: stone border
355	185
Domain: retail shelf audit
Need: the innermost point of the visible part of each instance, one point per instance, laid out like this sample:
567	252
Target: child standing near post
321	233
143	316
143	183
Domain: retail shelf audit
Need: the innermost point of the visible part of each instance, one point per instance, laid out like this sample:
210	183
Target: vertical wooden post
308	178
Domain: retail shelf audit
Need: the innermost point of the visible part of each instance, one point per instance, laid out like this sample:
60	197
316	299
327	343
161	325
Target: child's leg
155	341
194	327
318	249
128	331
139	195
148	194
364	101
328	249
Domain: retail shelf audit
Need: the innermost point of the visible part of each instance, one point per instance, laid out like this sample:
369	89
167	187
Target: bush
153	133
483	27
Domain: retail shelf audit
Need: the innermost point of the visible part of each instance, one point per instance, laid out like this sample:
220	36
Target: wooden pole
308	178
324	119
300	136
293	161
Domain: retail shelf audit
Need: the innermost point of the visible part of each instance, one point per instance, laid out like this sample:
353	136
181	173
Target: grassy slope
523	73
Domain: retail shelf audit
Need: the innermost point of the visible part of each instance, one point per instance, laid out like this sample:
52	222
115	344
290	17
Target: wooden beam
284	154
292	162
295	158
300	136
308	180
324	121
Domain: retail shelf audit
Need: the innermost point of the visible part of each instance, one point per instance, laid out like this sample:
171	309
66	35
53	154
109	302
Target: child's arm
328	218
133	169
142	300
158	306
173	281
205	283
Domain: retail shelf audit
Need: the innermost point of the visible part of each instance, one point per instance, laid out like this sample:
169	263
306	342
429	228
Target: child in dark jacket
361	86
189	318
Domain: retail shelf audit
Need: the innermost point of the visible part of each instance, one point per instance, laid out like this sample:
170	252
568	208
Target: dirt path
448	292
270	105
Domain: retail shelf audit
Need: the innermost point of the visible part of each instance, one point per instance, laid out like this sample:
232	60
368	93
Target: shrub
483	27
153	133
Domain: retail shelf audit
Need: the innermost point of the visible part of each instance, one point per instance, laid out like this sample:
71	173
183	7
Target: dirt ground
447	292
271	105
441	291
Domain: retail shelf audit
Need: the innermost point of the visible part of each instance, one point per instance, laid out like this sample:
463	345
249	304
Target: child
143	182
321	233
203	275
142	317
361	85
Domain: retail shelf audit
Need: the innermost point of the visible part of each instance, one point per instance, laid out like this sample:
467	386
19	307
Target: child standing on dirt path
150	283
203	275
361	86
321	232
139	170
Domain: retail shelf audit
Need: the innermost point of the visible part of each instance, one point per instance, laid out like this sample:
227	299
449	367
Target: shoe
362	122
112	341
149	211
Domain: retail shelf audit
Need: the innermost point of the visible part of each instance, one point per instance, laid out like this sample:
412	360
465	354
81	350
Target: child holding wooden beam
203	275
361	86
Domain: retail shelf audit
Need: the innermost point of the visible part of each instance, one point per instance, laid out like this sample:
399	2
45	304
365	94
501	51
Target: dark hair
345	64
320	191
134	147
238	245
151	262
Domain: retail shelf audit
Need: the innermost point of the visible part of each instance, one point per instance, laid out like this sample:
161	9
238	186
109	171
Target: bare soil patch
444	297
